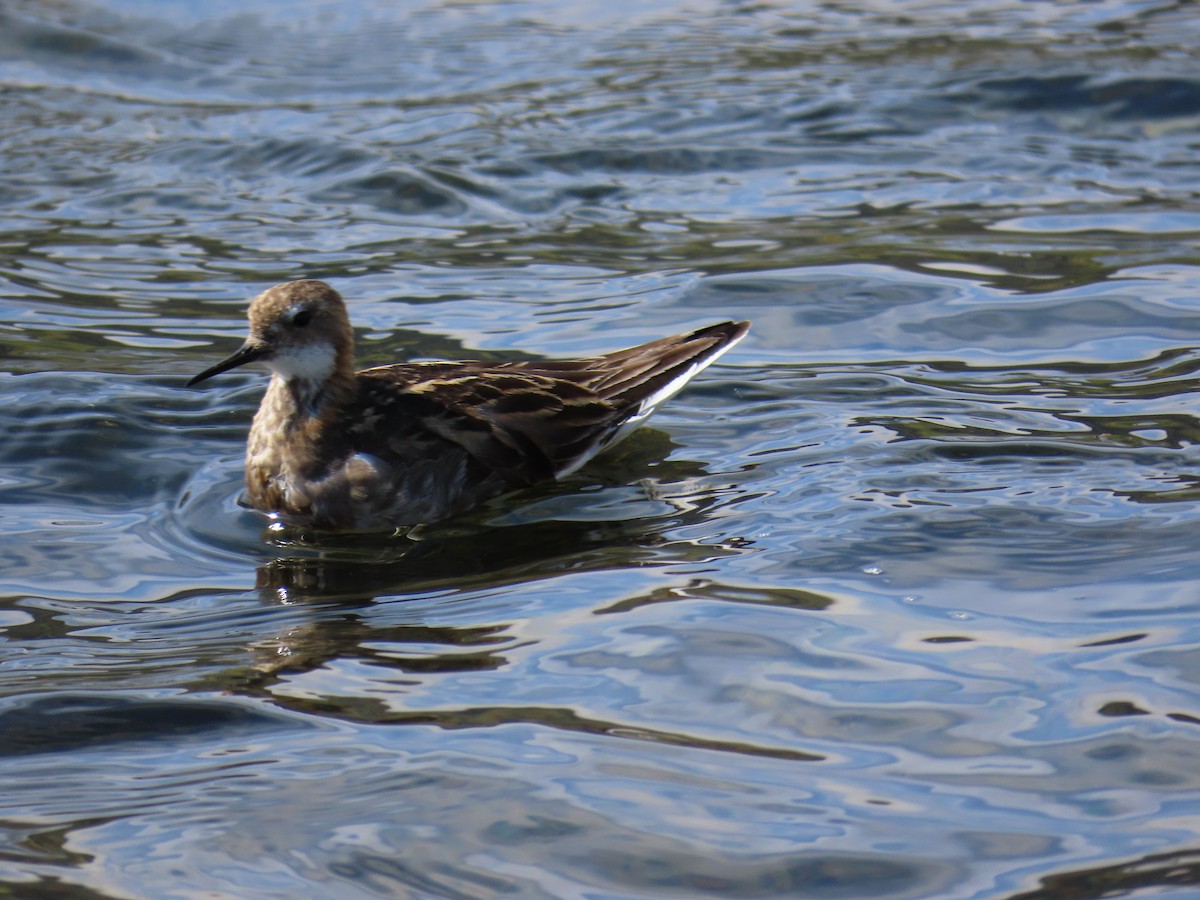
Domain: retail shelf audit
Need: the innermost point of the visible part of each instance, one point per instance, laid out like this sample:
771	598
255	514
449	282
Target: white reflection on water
890	602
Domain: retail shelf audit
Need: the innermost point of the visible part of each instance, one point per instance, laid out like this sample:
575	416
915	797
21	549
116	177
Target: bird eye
302	317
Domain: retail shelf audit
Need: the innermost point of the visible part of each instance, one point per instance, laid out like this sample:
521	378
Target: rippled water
898	600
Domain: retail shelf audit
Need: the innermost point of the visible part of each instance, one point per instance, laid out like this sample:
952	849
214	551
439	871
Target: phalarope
417	442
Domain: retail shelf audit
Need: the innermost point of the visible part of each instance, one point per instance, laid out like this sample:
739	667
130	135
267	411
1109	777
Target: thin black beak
248	353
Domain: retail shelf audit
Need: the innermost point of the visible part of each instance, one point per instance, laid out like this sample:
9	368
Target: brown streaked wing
629	376
526	426
533	420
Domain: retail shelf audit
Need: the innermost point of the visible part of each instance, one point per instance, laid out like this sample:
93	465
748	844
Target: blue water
898	600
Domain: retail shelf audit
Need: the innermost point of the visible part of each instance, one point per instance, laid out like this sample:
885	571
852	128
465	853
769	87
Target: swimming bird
416	442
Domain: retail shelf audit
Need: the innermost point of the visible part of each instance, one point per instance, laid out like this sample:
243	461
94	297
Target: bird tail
642	378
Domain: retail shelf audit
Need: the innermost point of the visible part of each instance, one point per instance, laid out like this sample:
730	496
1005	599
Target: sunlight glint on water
896	601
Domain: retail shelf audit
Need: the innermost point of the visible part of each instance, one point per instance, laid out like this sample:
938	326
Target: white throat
309	362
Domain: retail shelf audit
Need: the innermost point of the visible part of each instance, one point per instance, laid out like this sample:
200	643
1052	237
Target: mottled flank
417	442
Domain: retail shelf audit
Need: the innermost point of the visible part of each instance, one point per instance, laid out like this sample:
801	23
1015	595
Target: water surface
898	600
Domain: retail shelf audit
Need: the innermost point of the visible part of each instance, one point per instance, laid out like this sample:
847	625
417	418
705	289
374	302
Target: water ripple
887	602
